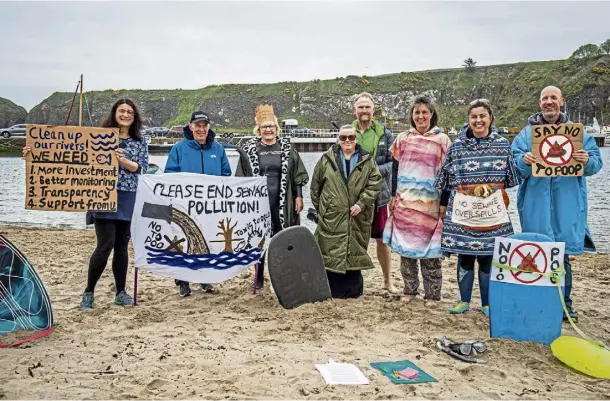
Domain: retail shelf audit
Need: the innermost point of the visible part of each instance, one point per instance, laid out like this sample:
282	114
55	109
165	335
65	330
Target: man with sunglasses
377	139
199	153
556	206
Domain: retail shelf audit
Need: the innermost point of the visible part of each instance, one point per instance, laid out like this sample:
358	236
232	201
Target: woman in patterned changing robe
479	159
415	226
273	156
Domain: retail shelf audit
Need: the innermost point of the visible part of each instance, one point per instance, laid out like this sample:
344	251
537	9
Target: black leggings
276	227
467	262
111	234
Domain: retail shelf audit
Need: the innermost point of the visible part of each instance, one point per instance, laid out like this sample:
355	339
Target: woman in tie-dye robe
415	227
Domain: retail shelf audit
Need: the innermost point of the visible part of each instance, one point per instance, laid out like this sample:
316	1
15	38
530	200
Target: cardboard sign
200	228
474	211
554	147
71	169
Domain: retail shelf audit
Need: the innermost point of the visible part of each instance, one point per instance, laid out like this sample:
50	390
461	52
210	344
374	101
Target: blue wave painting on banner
24	302
221	261
200	228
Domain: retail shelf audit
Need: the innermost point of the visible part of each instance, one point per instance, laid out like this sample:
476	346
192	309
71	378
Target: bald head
551	89
551	101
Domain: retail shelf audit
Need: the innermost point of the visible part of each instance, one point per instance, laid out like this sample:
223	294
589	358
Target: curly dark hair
134	128
424	101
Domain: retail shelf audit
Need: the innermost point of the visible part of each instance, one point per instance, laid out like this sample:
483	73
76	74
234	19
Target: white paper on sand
341	373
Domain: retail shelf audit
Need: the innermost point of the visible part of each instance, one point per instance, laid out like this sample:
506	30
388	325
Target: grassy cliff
512	88
11	114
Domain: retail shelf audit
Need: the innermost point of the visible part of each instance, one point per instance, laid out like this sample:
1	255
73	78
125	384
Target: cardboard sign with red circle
533	259
554	147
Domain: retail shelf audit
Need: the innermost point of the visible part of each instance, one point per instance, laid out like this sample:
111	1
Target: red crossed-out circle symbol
524	253
556	150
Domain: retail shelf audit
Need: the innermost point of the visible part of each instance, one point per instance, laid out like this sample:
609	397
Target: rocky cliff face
11	114
513	90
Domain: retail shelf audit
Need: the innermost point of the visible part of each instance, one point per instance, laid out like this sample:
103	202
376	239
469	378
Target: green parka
344	239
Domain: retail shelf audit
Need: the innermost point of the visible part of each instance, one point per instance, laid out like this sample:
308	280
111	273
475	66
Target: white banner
200	228
473	211
534	257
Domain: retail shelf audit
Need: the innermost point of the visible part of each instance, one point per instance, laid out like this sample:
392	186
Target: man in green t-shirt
377	139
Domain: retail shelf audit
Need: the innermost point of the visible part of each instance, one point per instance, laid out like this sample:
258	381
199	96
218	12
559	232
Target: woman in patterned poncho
479	158
415	226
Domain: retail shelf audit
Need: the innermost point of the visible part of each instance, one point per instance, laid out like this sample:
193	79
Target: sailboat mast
72	104
80	109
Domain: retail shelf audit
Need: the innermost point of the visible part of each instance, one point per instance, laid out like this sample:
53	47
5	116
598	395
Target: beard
364	118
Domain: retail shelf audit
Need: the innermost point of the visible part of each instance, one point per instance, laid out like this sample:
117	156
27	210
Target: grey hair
347	127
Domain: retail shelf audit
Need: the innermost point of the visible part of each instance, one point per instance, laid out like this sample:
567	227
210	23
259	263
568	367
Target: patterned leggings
431	272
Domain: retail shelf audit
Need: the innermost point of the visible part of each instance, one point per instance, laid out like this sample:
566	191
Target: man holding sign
198	153
555	204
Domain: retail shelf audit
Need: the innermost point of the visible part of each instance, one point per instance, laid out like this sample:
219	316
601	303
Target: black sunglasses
344	138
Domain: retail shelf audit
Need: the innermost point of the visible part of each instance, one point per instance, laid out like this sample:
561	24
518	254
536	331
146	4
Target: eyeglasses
344	138
484	101
267	127
125	111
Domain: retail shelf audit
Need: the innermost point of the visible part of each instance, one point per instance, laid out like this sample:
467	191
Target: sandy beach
236	345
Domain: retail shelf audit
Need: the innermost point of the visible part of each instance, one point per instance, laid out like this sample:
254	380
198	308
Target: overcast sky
44	47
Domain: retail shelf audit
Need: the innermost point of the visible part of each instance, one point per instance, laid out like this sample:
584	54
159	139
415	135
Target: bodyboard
583	355
296	268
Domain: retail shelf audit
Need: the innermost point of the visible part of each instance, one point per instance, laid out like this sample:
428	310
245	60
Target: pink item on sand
408	373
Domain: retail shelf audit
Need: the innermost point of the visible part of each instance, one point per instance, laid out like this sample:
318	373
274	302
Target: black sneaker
573	315
185	289
206	287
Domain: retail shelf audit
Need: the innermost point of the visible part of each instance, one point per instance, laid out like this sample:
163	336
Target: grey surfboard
296	268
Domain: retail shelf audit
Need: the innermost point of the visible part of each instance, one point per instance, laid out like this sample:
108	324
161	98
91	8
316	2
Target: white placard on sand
341	373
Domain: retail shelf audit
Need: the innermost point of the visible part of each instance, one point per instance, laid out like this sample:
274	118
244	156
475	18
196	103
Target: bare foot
390	288
430	302
407	299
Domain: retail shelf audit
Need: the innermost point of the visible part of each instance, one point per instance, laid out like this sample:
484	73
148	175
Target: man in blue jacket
556	206
199	153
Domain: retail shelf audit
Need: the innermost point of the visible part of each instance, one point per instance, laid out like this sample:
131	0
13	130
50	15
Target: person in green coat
346	183
273	156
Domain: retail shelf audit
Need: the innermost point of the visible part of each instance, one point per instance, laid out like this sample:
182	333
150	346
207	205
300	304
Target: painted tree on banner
200	228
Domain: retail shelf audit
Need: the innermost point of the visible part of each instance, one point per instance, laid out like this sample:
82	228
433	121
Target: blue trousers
568	282
465	276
